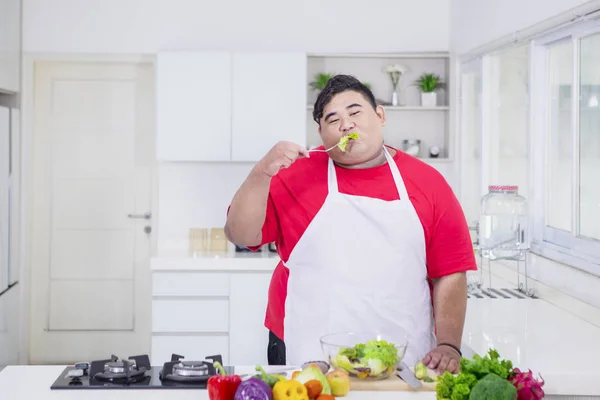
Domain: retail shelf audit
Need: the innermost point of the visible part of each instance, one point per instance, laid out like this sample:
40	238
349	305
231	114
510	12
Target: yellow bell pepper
289	390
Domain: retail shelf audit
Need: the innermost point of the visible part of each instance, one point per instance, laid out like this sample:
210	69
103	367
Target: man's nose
346	124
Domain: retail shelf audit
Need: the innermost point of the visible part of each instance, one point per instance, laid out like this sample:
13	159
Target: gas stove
137	373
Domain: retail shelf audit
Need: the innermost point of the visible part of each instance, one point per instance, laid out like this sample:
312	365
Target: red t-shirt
297	194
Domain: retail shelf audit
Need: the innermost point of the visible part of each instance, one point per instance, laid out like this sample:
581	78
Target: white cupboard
228	106
10	45
202	307
4	197
193	92
268	102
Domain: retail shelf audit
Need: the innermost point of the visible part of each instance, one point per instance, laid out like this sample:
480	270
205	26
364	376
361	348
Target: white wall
146	26
475	22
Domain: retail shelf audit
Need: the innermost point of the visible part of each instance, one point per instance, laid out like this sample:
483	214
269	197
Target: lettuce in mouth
345	139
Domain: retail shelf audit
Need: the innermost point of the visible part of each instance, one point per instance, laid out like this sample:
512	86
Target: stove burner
188	371
190	368
120	371
117	367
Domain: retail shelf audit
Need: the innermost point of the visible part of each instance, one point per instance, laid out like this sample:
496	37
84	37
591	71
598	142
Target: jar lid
503	188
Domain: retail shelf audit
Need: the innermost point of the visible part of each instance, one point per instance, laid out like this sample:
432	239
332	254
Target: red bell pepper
222	386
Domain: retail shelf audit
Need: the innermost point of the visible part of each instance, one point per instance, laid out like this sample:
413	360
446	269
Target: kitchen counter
216	261
33	382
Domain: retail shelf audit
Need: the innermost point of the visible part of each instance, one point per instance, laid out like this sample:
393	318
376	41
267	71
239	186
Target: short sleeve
270	227
449	248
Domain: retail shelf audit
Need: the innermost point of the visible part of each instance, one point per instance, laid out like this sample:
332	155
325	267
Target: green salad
345	139
371	359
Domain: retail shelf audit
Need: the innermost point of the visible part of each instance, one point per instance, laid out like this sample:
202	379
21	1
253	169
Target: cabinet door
269	102
193	106
10	45
248	337
4	196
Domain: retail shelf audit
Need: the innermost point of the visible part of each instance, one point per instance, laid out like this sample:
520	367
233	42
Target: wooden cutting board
393	383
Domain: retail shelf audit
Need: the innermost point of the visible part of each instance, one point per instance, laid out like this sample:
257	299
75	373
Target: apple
339	380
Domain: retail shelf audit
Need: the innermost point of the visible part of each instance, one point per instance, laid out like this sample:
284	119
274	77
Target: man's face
349	112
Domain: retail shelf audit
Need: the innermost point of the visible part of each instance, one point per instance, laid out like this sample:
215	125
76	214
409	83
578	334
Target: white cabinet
228	106
4	197
269	102
203	311
193	91
10	45
9	327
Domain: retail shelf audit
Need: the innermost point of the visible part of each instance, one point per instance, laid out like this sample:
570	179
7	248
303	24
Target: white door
94	163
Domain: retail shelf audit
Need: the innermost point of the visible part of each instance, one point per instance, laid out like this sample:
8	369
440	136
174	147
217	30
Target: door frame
29	61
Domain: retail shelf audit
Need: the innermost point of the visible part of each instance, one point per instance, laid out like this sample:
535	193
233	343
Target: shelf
405	108
432	54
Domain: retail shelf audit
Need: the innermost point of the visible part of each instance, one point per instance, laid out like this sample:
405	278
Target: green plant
321	80
428	83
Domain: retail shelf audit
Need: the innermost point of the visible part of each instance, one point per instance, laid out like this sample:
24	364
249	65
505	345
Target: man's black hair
336	85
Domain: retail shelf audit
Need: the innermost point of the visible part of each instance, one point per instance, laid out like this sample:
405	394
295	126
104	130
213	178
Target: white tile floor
545	335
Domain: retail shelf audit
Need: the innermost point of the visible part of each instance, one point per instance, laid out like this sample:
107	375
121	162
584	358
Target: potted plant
320	81
322	78
428	85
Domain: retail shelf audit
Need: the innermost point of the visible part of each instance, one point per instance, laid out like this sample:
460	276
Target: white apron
360	266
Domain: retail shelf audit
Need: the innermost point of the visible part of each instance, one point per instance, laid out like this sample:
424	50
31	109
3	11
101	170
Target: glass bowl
363	355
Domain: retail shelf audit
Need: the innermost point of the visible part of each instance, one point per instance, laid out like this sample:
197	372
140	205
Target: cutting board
393	383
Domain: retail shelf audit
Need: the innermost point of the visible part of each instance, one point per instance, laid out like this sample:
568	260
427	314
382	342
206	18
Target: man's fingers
435	360
453	366
443	365
427	359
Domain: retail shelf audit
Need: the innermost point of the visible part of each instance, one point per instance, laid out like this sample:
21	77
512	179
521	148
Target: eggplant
253	389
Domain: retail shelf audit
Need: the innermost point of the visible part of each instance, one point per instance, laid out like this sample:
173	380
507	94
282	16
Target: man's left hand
443	358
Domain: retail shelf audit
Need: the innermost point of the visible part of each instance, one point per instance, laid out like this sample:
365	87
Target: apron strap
332	183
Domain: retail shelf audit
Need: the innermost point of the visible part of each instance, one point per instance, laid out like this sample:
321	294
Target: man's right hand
282	155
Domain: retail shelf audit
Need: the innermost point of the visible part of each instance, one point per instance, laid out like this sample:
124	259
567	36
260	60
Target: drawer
190	315
190	284
192	347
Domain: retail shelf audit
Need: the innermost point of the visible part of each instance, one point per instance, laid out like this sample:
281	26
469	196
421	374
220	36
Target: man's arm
248	210
450	306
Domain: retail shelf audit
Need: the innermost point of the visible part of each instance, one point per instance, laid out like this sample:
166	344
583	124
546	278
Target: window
566	123
470	141
508	110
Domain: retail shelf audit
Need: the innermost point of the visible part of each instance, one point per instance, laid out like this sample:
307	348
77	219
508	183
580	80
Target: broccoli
493	387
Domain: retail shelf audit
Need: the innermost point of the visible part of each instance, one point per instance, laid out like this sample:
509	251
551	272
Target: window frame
549	242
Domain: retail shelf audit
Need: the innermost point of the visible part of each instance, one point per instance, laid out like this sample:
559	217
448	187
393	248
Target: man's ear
319	129
380	111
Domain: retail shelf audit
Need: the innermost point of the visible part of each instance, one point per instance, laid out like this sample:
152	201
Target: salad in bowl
364	355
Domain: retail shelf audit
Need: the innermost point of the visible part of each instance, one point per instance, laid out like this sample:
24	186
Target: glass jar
503	223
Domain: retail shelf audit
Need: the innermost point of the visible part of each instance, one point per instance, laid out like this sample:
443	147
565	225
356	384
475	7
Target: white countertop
215	261
33	382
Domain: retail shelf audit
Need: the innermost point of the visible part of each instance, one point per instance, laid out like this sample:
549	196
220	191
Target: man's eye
355	112
333	121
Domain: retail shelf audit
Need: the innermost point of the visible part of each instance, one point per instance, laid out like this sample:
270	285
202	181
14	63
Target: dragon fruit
528	387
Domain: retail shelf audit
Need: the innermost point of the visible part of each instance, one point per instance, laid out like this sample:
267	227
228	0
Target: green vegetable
493	387
345	139
428	379
472	371
372	358
455	387
271	380
490	363
420	370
